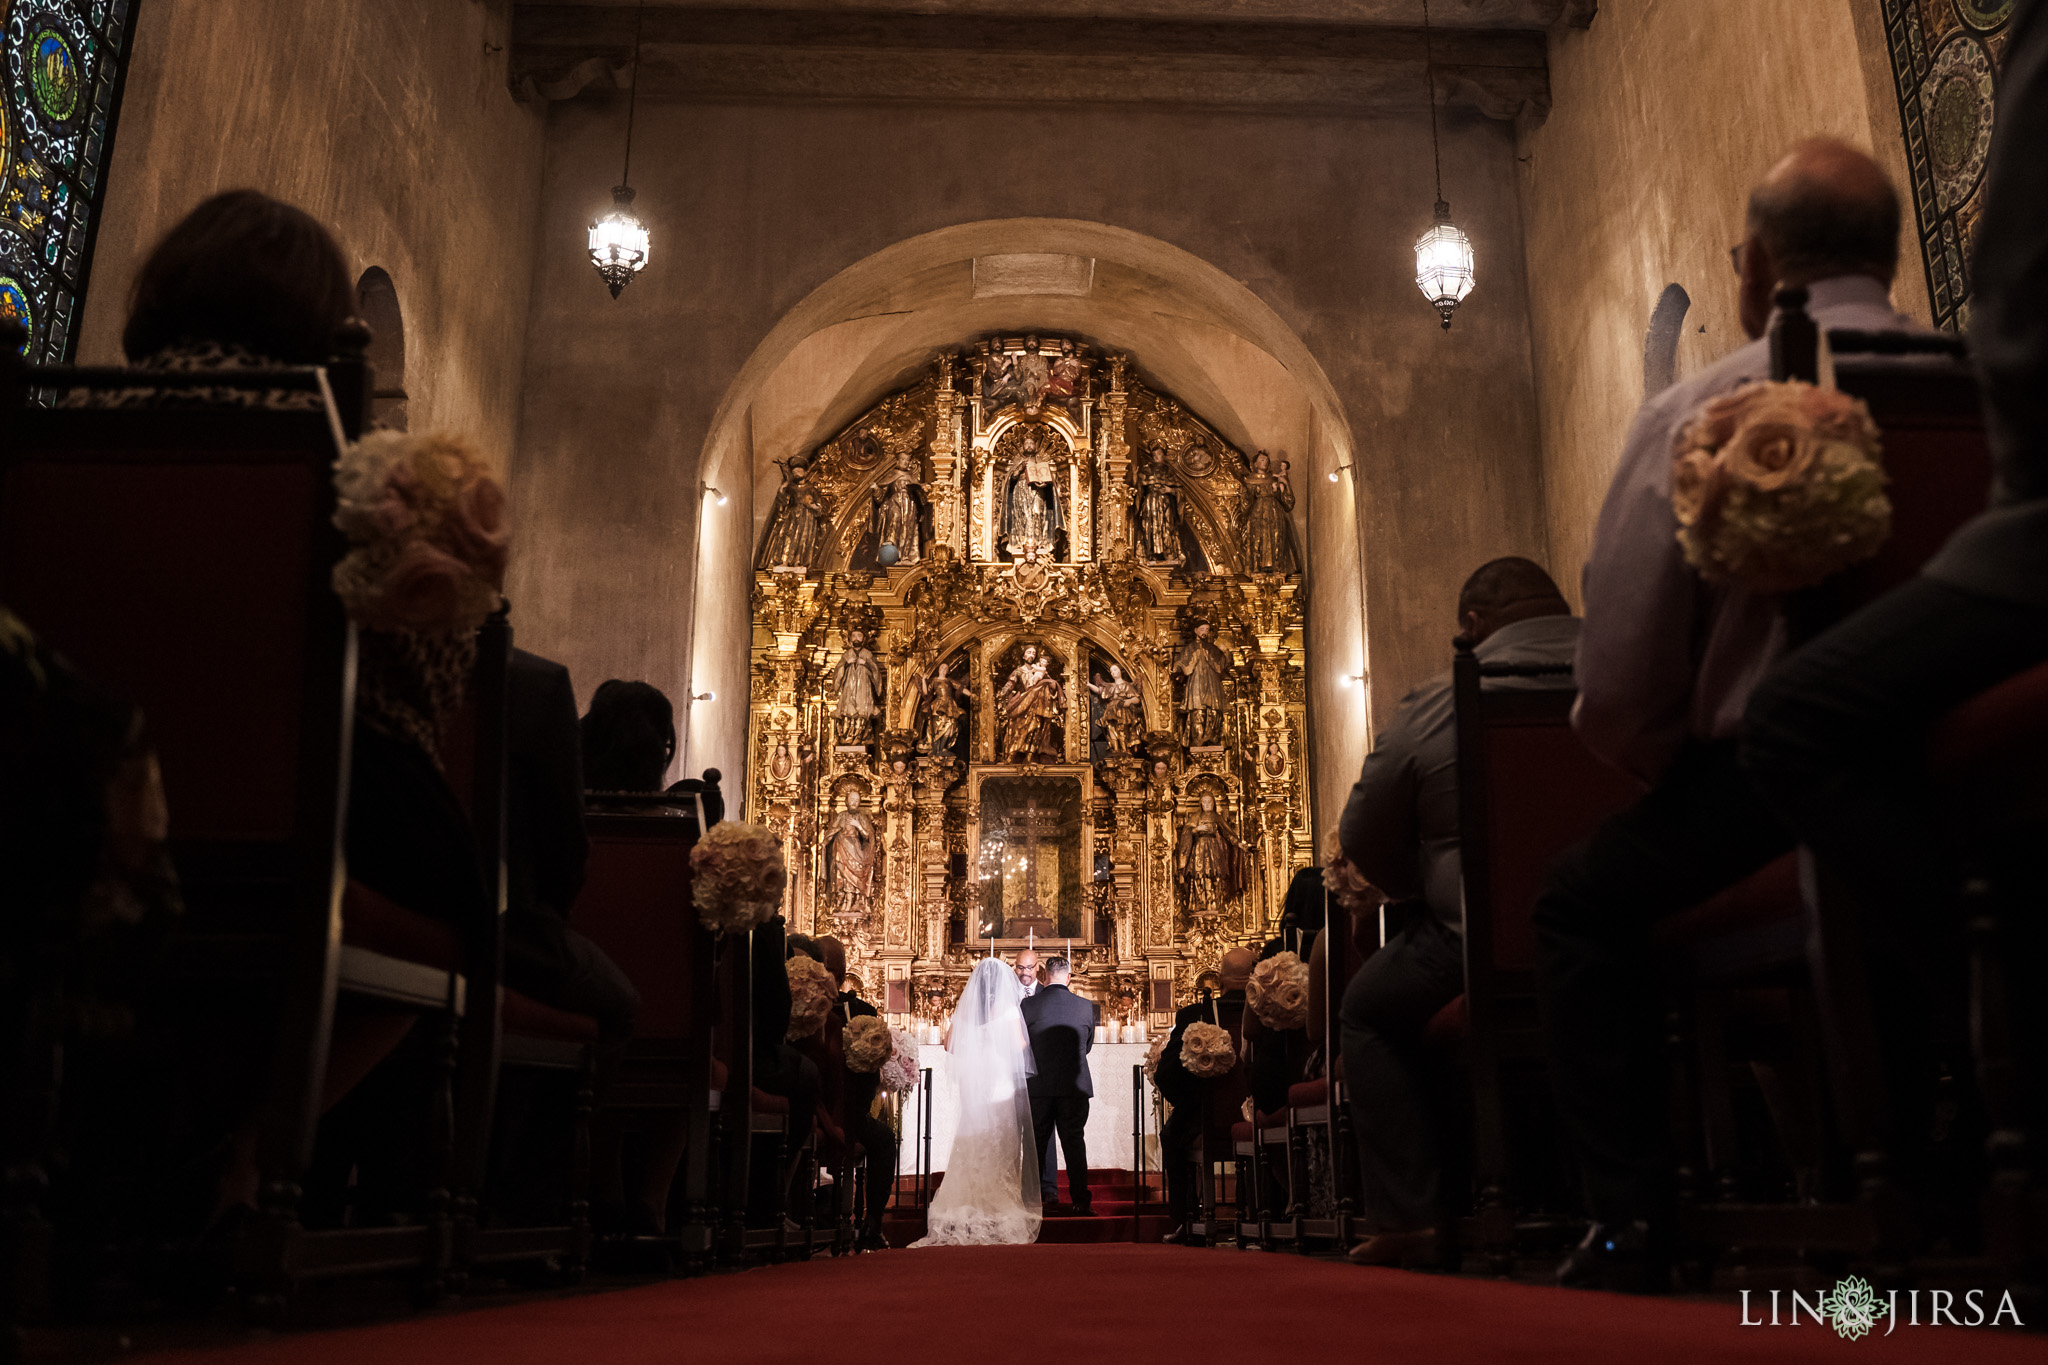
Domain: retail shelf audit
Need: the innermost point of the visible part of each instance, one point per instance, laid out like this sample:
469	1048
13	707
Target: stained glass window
60	86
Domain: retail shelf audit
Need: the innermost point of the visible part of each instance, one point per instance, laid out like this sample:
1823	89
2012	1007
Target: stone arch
1195	332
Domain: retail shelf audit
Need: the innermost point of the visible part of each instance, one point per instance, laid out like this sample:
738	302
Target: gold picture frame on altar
1073	851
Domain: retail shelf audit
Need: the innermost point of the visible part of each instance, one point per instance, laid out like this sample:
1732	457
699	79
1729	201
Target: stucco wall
1664	114
752	207
389	121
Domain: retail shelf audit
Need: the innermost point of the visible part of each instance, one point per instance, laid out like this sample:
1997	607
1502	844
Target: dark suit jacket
1171	1077
546	848
1062	1027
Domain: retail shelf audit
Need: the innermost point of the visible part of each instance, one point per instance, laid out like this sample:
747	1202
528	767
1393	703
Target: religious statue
1031	702
1205	666
1269	525
897	510
781	765
1123	711
998	381
1159	511
940	709
1273	760
1208	863
1034	375
850	856
797	521
1031	503
857	679
1064	385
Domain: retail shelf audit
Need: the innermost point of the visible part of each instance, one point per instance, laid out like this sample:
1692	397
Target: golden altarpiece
1027	668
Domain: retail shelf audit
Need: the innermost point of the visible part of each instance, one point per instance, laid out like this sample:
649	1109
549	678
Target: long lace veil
990	1190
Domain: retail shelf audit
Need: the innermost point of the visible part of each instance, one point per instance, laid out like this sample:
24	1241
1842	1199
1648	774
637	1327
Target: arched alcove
1187	326
377	305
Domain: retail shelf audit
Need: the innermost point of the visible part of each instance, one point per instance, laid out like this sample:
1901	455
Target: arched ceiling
1189	330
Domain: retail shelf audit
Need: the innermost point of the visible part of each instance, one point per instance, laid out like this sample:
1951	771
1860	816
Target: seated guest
863	1125
1181	1138
1666	664
804	944
629	738
1400	830
779	1068
1836	732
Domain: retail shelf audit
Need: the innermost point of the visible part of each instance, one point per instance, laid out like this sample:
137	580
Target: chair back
180	556
635	904
1527	790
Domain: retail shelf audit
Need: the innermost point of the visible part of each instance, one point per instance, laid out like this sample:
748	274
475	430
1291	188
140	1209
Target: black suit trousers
1069	1114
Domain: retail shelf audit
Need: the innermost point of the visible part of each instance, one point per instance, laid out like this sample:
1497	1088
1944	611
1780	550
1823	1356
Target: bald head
1825	209
1501	592
1236	968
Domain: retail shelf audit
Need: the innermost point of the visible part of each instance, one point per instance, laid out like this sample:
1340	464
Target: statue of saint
1208	863
1064	385
1269	526
1030	703
940	711
850	853
857	679
1031	502
1123	711
780	766
797	522
897	507
1159	511
1204	665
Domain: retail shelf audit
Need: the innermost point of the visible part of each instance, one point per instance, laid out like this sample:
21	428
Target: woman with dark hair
242	276
629	737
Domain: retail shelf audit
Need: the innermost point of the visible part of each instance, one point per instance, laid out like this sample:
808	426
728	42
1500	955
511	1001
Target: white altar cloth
1108	1134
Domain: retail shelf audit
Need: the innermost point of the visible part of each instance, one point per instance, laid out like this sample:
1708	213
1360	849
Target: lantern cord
633	95
1428	76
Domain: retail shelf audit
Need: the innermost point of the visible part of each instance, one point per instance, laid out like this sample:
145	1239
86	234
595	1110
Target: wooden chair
747	1115
1223	1100
1321	1103
636	905
1790	926
1527	790
521	1032
179	556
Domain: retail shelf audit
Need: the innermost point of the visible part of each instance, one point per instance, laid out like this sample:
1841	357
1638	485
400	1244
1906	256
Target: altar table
1108	1134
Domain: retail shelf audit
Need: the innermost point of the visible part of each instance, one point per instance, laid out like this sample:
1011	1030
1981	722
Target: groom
1062	1027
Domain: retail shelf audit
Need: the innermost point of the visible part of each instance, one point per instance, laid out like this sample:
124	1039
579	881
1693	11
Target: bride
989	1196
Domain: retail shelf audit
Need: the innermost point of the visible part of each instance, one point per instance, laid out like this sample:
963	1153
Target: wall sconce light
716	495
1349	678
703	696
1338	470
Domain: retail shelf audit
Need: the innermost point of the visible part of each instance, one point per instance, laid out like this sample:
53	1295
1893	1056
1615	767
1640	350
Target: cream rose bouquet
899	1073
425	521
1152	1056
736	876
1278	992
1206	1051
868	1044
1776	486
812	992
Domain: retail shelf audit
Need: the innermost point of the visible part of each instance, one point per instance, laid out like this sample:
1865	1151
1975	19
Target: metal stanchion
1137	1150
924	1123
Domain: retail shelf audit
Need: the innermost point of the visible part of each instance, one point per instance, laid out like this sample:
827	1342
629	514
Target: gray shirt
1400	827
1666	656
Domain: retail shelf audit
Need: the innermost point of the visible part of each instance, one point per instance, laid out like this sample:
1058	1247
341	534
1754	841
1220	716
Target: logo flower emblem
1852	1306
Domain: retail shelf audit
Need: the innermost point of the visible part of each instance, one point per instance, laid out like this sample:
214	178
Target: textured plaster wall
1665	112
753	207
386	119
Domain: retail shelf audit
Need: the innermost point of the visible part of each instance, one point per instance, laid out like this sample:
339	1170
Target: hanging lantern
1443	264
618	242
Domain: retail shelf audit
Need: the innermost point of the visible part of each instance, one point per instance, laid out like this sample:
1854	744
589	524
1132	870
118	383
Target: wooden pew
1527	790
636	905
180	557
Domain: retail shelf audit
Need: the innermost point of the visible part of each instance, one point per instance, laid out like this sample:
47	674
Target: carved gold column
949	521
1113	502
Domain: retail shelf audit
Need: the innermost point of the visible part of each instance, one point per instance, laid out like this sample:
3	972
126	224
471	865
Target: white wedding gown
988	1195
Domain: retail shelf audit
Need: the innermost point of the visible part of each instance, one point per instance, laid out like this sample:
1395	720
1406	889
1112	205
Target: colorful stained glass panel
61	63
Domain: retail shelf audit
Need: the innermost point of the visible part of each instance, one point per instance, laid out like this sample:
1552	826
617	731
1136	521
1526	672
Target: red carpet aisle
1133	1305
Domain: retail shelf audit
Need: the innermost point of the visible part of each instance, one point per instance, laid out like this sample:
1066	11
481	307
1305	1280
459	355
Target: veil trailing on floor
989	1193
